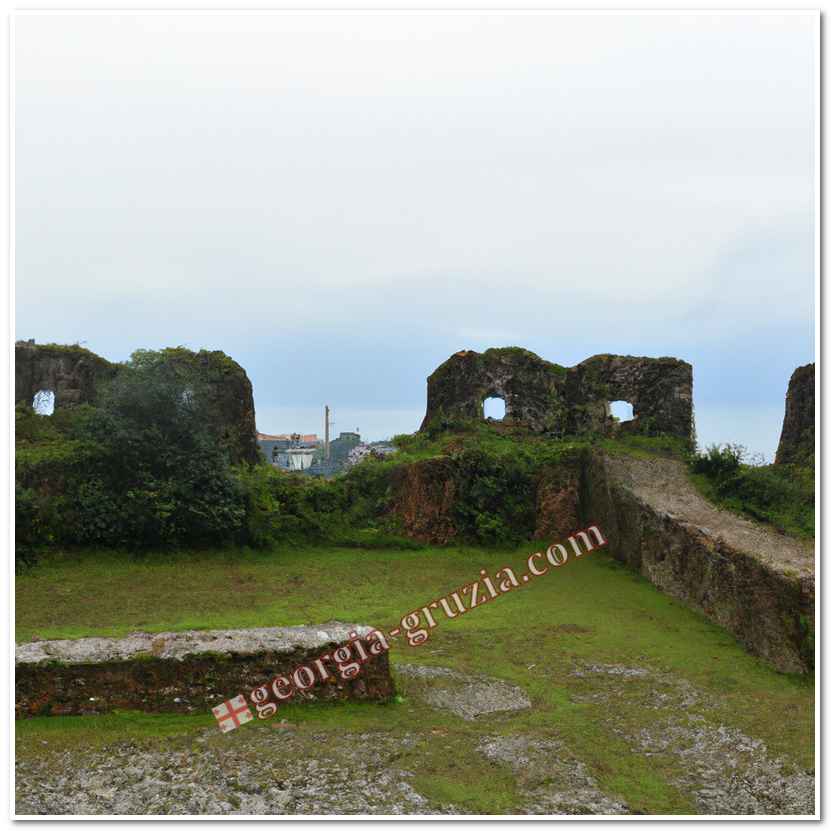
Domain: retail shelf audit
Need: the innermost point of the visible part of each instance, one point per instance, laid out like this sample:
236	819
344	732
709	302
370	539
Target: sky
340	202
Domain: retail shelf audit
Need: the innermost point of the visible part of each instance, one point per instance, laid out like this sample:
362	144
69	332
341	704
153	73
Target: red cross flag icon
231	714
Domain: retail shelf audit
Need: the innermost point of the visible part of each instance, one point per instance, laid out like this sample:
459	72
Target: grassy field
593	610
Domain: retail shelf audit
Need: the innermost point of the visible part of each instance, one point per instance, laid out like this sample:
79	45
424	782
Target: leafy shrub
780	495
718	462
281	506
138	469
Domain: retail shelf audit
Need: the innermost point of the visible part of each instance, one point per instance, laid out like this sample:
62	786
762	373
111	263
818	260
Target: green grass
645	447
492	438
593	610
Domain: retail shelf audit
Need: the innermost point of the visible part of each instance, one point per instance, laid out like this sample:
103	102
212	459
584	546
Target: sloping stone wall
182	672
755	583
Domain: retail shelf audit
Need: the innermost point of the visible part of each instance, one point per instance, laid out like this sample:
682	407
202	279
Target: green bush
139	469
280	506
718	462
780	495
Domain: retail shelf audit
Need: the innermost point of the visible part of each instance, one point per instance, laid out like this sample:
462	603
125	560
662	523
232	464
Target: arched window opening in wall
494	408
44	402
621	411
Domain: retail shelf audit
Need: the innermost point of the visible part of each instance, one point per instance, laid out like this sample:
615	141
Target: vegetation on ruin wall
139	468
779	495
495	478
142	469
73	350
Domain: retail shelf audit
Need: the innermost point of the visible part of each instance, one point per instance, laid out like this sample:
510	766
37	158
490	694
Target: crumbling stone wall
531	388
71	372
430	499
183	672
659	390
75	374
423	500
796	444
759	585
549	398
230	399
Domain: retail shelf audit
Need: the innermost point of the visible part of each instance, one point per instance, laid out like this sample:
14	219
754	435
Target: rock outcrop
548	398
183	672
754	582
796	444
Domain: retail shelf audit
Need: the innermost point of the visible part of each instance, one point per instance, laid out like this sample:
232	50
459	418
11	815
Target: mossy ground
592	611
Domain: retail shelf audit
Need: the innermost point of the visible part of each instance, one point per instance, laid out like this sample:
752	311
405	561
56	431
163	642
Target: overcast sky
340	202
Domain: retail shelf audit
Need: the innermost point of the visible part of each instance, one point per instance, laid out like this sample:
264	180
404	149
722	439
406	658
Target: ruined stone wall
796	444
659	390
530	387
424	500
756	584
75	375
182	672
230	399
71	372
549	398
428	500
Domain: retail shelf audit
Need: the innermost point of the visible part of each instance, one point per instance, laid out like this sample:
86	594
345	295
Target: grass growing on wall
778	495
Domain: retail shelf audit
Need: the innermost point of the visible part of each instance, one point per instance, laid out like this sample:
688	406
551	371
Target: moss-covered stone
72	373
183	671
796	444
75	375
548	398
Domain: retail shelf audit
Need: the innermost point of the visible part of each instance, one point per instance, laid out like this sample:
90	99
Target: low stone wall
752	581
182	672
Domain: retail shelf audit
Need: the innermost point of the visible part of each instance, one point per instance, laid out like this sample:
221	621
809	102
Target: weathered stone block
182	671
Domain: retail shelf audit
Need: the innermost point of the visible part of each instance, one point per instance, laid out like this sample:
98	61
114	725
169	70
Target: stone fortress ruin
756	584
556	400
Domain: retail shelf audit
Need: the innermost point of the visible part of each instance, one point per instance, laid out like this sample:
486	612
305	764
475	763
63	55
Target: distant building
340	447
338	452
295	458
305	452
275	448
363	451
